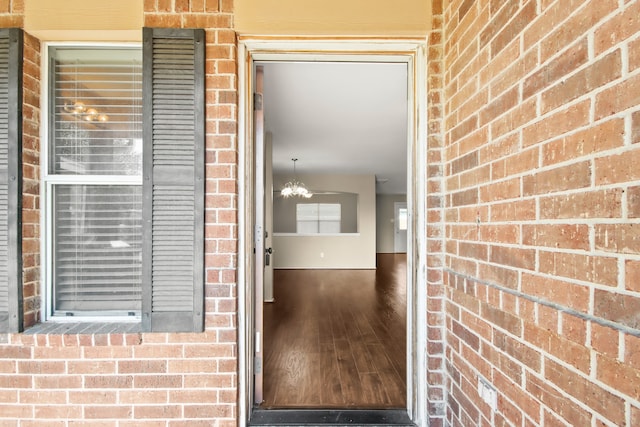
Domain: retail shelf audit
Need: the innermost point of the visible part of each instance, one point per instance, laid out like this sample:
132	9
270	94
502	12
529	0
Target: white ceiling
348	118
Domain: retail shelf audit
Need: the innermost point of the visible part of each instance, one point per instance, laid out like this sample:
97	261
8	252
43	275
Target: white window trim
46	183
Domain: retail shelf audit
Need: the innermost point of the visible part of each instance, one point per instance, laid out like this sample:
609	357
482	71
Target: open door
260	233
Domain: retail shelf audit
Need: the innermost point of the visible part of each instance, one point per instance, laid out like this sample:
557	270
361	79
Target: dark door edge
330	417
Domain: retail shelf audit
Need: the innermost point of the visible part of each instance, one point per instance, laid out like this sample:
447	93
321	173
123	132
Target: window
94	179
402	219
322	218
327	212
123	173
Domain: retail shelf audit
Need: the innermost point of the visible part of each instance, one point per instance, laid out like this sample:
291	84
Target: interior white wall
350	251
385	217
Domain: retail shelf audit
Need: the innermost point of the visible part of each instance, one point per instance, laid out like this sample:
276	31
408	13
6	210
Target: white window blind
97	235
314	218
97	97
94	175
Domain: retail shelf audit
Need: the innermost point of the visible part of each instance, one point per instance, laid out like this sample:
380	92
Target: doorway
400	226
335	334
252	219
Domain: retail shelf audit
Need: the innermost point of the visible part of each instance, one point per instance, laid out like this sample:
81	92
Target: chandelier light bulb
91	114
76	107
80	110
295	188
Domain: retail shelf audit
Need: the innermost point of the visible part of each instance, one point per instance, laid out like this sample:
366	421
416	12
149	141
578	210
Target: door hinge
257	365
258	235
257	101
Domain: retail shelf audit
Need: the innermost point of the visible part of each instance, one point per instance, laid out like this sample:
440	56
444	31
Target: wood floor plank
374	389
361	356
330	387
349	377
395	385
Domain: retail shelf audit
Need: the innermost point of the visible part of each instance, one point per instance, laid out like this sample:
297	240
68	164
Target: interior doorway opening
410	55
400	225
335	330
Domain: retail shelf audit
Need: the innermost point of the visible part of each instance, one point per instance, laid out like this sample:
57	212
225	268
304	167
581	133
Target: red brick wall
436	378
542	123
31	180
137	379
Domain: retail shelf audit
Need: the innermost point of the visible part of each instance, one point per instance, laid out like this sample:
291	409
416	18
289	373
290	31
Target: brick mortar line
594	285
594	254
552	193
622	149
558	307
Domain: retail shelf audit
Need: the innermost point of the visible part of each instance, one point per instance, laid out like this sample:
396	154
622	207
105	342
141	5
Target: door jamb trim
410	51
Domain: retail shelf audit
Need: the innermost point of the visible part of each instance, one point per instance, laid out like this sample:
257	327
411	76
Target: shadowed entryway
337	338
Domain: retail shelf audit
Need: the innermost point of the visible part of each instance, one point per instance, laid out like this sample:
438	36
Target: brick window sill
84	328
80	334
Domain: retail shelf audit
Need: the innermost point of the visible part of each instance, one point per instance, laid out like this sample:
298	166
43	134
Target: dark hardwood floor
337	338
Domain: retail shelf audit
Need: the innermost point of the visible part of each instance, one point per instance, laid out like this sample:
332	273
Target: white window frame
48	180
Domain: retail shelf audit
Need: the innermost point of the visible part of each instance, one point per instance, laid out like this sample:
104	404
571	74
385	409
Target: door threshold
330	417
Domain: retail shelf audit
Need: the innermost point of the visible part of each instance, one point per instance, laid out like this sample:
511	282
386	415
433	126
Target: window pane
402	219
97	248
307	227
329	211
324	218
307	211
96	118
329	227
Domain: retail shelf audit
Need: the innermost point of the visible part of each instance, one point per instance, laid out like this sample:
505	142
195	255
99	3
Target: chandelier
294	187
78	109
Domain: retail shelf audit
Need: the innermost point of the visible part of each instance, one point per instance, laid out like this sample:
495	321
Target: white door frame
409	51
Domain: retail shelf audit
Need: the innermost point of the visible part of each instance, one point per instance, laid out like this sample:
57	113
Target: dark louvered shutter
10	180
173	180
